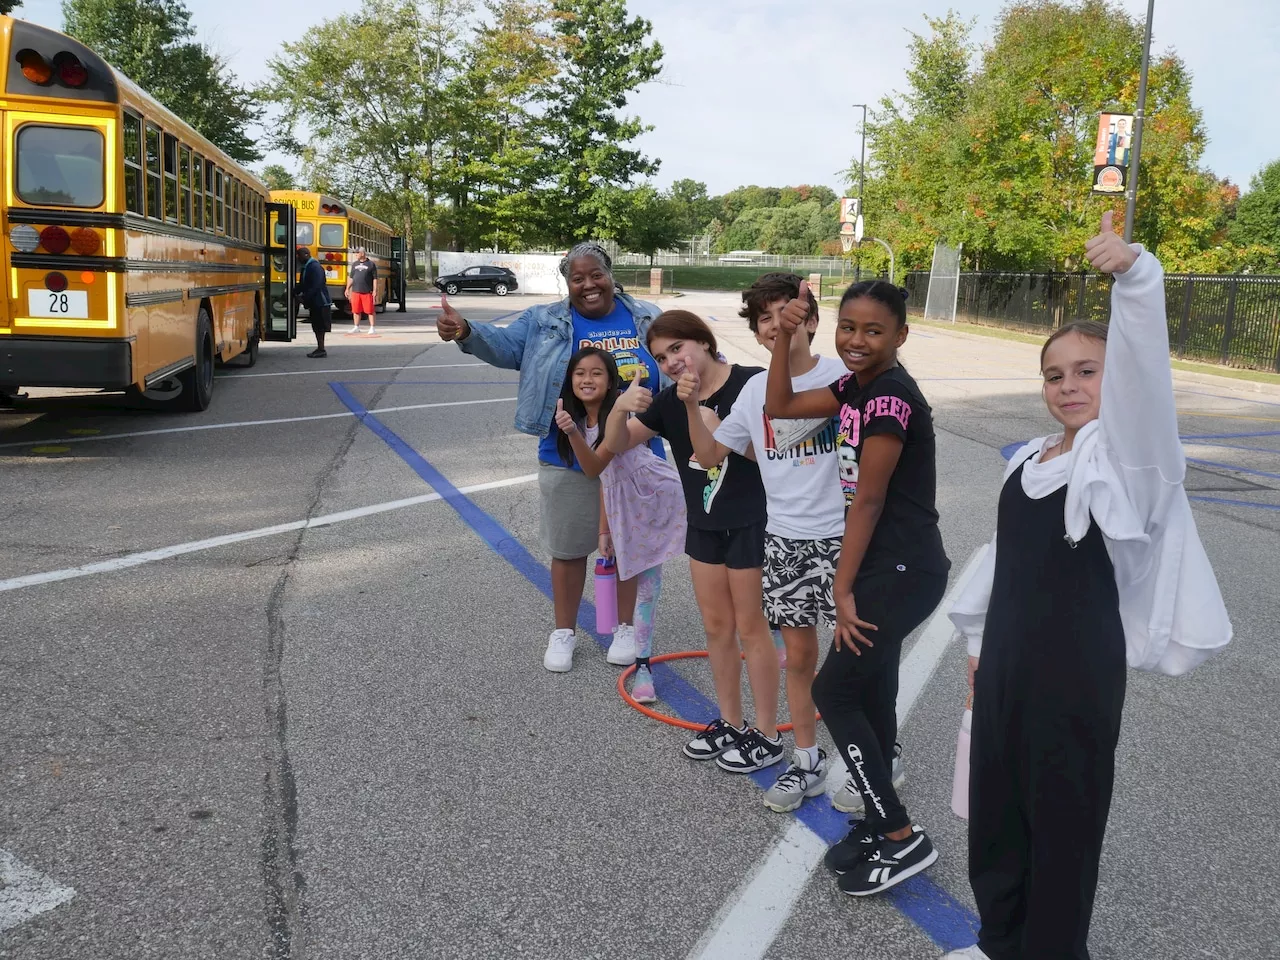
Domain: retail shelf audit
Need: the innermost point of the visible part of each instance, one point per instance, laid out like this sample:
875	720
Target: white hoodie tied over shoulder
1126	470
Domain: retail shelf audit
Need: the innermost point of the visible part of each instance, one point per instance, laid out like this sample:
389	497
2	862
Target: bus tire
197	382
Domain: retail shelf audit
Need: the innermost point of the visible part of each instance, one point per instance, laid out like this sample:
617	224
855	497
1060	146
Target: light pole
1138	119
862	179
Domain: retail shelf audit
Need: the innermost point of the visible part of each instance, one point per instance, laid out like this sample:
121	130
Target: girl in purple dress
642	517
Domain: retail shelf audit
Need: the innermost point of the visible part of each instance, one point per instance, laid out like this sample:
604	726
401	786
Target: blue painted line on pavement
1231	436
1230	446
1237	503
1233	467
941	916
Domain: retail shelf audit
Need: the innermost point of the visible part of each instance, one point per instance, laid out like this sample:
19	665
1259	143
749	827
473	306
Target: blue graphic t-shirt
615	332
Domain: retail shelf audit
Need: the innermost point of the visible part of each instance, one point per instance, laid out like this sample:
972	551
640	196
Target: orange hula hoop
662	717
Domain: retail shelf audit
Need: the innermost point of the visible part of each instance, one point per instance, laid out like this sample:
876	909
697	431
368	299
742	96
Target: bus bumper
64	362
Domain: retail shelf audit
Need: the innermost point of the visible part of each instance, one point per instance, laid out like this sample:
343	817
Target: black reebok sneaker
895	861
717	737
753	751
858	845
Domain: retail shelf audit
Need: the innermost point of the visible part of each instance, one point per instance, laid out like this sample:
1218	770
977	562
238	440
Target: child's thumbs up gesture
796	312
563	420
687	387
636	398
1107	252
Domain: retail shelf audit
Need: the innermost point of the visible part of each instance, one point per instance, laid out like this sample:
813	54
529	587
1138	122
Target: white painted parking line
164	553
755	913
246	423
330	371
26	893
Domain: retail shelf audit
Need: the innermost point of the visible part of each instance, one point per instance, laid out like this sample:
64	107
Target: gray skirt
570	511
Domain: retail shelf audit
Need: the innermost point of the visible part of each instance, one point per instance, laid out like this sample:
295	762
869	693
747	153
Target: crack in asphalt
283	877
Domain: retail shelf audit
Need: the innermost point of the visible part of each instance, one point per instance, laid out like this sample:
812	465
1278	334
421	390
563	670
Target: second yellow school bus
332	230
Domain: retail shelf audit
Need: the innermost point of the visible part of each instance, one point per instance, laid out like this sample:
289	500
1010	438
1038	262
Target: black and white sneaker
717	737
895	861
753	751
859	845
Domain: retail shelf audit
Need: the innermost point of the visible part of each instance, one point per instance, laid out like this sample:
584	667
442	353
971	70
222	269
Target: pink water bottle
960	781
606	595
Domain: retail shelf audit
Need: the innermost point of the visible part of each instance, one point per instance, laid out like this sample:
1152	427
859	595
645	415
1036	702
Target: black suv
497	280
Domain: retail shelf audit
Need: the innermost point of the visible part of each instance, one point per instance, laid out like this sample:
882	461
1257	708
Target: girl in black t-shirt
891	562
725	539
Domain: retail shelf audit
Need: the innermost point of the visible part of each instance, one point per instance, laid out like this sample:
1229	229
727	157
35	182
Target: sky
762	91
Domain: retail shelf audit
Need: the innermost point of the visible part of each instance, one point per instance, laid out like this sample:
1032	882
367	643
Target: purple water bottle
606	595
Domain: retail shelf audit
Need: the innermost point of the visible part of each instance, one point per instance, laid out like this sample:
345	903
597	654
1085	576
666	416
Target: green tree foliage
362	100
7	5
655	221
586	150
996	155
1257	219
278	177
152	42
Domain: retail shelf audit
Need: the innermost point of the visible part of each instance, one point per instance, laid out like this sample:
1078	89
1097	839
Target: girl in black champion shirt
725	539
892	571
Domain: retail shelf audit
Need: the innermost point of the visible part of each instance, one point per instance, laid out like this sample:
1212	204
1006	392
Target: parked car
497	280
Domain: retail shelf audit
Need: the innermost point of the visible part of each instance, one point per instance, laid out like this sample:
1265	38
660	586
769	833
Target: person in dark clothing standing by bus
314	295
362	287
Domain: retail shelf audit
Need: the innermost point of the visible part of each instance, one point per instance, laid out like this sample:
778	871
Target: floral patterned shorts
798	577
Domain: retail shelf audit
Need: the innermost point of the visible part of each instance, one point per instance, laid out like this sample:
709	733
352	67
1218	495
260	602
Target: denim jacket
539	344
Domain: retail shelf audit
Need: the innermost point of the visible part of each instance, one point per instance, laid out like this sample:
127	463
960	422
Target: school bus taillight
71	72
55	239
85	242
34	67
24	238
55	282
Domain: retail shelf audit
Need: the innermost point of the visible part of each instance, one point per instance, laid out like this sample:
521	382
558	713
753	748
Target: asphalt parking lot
271	687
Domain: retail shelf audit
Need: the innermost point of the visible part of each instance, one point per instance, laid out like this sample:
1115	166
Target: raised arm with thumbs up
1107	252
450	324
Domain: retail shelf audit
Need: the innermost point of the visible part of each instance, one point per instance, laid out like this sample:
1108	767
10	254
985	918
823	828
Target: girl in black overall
1071	587
892	570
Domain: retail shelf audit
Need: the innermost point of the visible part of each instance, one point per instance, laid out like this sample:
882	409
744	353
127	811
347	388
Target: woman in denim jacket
538	344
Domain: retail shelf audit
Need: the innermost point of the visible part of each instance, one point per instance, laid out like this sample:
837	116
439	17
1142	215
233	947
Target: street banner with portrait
1111	153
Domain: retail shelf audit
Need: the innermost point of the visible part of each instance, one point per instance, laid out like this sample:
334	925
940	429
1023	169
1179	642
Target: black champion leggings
857	695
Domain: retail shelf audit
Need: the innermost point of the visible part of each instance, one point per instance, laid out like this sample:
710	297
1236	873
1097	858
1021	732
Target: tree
655	222
1258	212
151	42
7	5
585	154
997	156
696	209
277	177
366	91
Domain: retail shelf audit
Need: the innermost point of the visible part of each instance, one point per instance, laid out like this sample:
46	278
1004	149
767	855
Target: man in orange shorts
362	287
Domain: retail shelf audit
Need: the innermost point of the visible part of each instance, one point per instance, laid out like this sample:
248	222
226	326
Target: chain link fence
1233	320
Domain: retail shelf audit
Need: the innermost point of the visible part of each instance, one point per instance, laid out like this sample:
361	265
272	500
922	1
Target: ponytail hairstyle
575	407
883	292
1090	329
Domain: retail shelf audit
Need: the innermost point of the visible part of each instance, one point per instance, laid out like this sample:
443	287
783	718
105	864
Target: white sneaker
968	953
559	655
622	652
848	800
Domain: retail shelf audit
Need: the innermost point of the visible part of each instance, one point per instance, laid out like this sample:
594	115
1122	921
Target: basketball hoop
847	238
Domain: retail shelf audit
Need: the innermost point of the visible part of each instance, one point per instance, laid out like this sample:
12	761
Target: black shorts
741	548
321	319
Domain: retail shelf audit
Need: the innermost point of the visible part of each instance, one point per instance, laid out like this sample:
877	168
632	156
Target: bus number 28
58	303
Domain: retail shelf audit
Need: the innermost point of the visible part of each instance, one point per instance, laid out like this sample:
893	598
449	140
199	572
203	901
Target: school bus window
306	233
257	220
330	234
208	196
233	208
217	201
60	165
132	163
184	185
197	191
171	177
244	202
153	173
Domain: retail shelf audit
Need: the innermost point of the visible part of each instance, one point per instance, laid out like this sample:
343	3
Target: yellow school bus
332	230
134	250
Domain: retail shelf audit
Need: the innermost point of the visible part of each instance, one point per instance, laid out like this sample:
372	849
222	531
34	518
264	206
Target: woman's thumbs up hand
449	324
